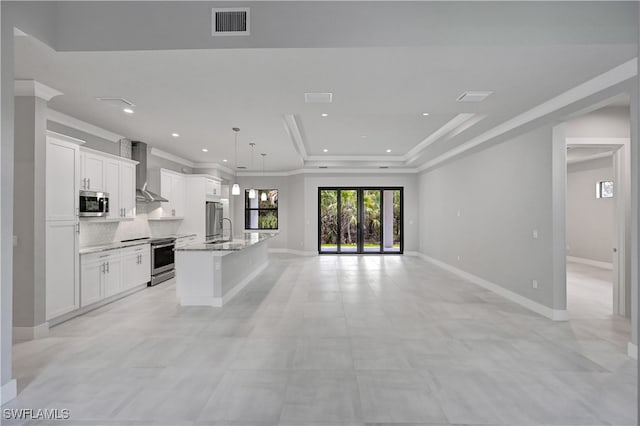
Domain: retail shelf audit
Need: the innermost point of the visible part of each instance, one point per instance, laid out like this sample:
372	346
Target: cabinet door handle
78	227
104	268
107	267
88	183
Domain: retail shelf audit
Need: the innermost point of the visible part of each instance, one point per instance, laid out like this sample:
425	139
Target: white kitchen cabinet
136	266
116	176
61	228
93	171
172	187
213	187
62	173
61	268
127	190
113	277
112	186
91	278
120	184
185	241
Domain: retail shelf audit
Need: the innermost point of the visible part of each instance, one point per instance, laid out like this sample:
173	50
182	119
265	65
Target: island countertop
234	245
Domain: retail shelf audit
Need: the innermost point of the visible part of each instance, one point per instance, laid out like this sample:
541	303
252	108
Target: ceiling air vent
318	98
116	102
475	96
230	21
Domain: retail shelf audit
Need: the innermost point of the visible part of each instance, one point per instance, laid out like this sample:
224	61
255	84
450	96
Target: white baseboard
22	334
411	253
545	311
8	391
295	252
596	263
632	350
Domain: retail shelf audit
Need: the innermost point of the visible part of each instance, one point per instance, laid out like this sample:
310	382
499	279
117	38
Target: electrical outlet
534	283
534	234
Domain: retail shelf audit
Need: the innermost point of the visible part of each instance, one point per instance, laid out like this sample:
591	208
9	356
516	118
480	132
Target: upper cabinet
61	188
113	175
92	171
172	187
213	187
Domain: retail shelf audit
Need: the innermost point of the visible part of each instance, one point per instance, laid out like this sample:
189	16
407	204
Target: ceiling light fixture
224	161
235	189
175	135
252	192
205	150
425	114
263	196
324	114
388	150
128	110
325	150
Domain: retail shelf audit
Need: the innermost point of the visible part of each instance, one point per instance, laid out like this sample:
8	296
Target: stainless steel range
162	260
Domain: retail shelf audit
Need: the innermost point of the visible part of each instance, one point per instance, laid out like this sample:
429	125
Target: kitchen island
211	273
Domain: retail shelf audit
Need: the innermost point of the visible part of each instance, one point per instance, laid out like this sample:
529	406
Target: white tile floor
329	340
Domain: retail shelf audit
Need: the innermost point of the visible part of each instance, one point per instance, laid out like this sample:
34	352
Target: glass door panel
328	218
348	221
392	221
371	220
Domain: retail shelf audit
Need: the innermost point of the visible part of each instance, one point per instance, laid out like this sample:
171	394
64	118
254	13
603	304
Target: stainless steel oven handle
163	245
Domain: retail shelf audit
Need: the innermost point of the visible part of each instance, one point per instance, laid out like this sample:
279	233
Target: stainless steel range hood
139	153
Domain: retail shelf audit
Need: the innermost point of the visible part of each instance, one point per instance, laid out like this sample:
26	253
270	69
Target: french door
360	220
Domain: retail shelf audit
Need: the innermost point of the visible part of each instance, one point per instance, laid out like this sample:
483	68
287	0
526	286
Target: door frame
622	208
360	213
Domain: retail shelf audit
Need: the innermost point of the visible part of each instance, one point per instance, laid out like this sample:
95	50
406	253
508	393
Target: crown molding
308	171
448	127
35	88
356	158
171	157
83	126
293	130
590	157
614	76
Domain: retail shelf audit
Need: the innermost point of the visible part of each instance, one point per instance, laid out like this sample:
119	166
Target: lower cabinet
107	274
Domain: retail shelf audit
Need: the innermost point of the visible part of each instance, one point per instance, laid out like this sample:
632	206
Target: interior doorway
360	220
597	206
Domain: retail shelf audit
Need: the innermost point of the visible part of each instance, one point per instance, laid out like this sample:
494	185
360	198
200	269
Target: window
259	214
604	189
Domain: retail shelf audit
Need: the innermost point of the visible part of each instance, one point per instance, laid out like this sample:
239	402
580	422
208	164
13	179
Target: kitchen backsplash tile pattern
96	232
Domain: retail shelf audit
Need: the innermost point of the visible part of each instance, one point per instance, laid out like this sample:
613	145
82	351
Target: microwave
94	204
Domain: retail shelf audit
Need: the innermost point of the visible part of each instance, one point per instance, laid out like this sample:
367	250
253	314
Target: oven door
162	258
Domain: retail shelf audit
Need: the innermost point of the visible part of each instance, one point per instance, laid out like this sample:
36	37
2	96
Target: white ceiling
379	93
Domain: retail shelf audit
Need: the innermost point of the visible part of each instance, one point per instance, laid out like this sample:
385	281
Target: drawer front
100	257
144	248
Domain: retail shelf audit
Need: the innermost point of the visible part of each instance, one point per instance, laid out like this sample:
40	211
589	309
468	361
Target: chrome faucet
230	228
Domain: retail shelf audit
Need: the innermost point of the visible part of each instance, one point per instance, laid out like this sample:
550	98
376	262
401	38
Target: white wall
298	204
502	194
608	122
590	220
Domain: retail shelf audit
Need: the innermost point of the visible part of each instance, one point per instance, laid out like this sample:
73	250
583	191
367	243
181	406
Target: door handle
104	268
107	267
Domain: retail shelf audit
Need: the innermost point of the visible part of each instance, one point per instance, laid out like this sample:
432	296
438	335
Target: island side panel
198	278
242	266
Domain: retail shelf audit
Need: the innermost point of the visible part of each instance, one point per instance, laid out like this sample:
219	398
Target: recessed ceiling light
224	161
388	150
324	114
205	150
128	110
175	135
425	114
363	136
325	150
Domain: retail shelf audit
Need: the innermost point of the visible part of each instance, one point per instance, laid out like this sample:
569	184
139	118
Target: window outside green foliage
261	214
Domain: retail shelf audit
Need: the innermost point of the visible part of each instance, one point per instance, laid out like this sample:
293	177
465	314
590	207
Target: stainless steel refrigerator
214	220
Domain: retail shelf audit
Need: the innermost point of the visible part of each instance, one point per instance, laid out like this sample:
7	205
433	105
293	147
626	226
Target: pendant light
252	192
235	189
263	196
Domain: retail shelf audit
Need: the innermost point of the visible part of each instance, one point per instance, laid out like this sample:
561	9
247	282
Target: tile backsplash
96	232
